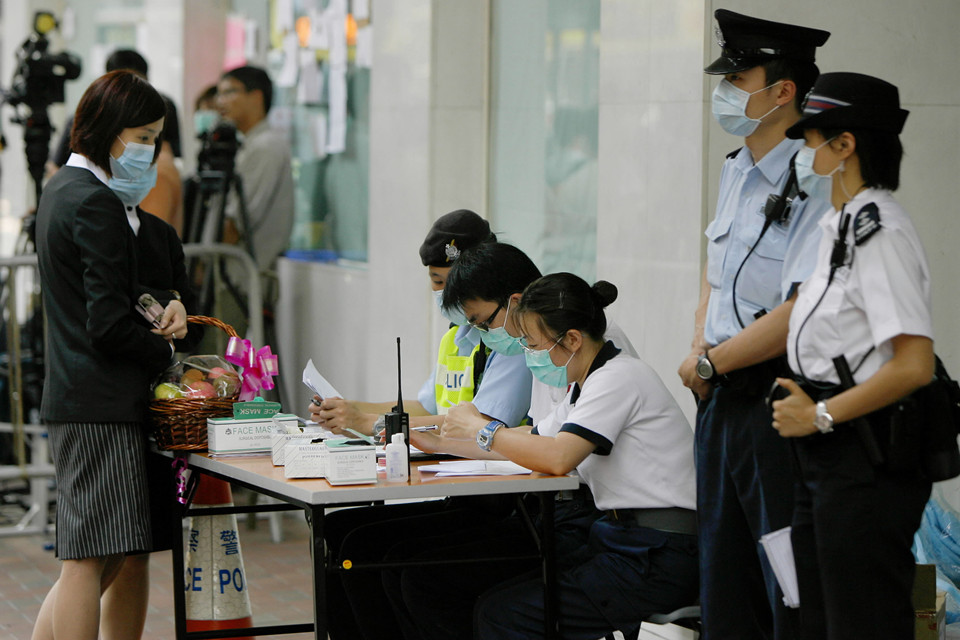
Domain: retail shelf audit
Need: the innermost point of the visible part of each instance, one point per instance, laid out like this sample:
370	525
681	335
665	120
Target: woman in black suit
102	355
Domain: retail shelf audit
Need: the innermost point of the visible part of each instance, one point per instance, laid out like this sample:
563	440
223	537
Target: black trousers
623	575
744	490
853	528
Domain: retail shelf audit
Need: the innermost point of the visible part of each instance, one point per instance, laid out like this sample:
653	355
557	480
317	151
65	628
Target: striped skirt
103	506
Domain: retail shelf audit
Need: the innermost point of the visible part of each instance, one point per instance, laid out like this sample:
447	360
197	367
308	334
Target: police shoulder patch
866	223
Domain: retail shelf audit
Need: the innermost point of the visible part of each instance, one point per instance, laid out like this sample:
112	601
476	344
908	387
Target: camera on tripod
218	150
37	83
40	76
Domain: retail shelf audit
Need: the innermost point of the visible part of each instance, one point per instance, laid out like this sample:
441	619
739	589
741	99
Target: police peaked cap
452	233
747	42
851	101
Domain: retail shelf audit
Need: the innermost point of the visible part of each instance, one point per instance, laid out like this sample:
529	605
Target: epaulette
733	154
866	223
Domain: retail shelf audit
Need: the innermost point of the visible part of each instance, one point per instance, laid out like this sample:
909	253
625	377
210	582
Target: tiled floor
278	576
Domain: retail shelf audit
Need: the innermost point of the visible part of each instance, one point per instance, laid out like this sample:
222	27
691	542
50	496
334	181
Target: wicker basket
181	424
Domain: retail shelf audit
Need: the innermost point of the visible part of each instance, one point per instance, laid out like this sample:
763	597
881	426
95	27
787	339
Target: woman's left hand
793	416
174	321
462	422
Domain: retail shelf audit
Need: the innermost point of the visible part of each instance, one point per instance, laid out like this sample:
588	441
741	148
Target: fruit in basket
167	391
226	384
191	376
199	389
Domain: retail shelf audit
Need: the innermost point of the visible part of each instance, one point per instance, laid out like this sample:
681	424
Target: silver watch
485	435
823	420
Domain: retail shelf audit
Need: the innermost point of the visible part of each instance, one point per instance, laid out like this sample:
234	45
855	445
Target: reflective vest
457	376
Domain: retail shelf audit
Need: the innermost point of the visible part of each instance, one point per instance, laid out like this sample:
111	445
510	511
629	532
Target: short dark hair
803	74
564	301
253	78
879	153
113	102
127	59
207	95
488	271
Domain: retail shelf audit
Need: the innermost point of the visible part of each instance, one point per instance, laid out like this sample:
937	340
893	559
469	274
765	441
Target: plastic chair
687	617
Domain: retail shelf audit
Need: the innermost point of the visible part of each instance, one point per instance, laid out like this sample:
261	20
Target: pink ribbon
257	367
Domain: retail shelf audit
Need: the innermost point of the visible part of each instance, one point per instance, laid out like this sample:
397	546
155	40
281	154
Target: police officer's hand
427	441
337	414
462	422
793	416
688	374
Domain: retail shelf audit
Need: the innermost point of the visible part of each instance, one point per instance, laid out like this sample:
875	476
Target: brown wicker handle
214	322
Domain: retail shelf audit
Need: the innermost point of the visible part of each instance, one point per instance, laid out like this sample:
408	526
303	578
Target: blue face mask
455	316
205	120
133	174
809	181
729	104
543	369
500	341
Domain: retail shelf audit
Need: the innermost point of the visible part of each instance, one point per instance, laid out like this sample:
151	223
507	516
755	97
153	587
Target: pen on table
429	427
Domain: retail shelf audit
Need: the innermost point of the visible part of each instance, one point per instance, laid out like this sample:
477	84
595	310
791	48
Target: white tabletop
259	472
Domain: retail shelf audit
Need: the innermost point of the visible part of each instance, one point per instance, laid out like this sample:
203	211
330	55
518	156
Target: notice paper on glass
474	468
779	552
317	383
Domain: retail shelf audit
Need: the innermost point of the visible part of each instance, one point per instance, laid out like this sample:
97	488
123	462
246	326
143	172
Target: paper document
779	552
317	383
474	468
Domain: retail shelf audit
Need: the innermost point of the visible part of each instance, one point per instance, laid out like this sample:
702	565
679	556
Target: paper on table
779	552
474	468
317	383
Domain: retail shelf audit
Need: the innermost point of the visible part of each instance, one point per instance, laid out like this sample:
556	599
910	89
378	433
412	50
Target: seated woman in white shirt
624	433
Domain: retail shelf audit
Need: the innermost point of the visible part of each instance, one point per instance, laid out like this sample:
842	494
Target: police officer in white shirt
624	433
869	302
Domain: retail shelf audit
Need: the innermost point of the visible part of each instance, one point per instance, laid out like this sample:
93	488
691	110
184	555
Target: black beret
749	42
851	101
452	233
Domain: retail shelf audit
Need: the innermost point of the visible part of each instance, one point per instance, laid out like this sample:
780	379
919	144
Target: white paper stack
779	552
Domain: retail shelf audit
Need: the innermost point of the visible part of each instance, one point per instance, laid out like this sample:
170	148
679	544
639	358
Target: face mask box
304	458
283	436
351	462
229	436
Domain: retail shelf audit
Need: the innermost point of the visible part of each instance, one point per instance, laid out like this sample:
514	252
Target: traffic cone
216	585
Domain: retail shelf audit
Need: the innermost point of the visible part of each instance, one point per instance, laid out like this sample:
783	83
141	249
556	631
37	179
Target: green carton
256	408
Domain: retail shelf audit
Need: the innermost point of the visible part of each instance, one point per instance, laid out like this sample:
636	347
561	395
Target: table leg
317	552
179	580
549	554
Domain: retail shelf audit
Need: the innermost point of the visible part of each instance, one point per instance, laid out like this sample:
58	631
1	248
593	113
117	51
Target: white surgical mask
133	174
730	108
810	182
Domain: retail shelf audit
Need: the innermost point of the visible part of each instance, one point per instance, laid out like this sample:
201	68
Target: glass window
543	130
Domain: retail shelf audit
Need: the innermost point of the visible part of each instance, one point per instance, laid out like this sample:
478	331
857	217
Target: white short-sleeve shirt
644	445
881	291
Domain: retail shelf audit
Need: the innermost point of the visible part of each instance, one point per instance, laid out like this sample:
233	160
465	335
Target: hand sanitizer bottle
397	453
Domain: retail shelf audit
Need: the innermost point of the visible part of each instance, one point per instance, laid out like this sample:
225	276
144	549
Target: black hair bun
605	292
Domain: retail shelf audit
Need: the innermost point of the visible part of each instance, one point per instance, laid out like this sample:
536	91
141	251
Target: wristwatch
823	421
485	435
705	370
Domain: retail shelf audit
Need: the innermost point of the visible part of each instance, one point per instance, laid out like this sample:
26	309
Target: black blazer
162	268
101	355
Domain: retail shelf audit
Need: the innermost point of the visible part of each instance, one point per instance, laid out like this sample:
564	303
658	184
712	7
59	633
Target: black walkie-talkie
398	421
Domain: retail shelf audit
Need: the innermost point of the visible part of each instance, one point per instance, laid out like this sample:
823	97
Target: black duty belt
670	519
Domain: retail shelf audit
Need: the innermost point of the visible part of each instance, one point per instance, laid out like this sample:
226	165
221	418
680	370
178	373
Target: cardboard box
256	408
305	459
351	462
929	605
231	436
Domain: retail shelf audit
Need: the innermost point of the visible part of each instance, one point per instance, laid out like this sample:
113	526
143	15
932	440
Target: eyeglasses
526	347
485	325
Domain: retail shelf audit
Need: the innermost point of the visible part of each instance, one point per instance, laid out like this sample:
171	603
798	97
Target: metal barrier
39	470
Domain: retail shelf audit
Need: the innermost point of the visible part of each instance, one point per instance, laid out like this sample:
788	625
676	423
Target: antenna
399	387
